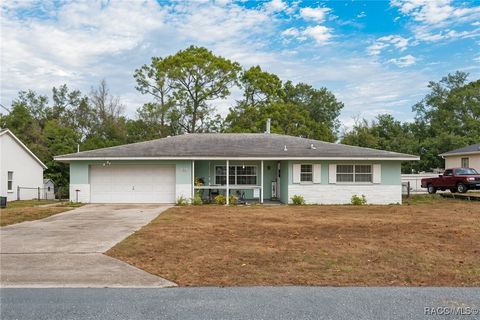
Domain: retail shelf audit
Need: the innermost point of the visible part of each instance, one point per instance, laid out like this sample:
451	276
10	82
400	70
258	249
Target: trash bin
3	202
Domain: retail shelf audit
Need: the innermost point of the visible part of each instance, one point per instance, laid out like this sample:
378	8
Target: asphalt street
241	303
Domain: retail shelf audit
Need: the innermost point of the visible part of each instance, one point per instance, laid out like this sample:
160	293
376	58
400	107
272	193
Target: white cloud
437	20
361	15
275	6
404	61
434	12
382	43
314	14
320	34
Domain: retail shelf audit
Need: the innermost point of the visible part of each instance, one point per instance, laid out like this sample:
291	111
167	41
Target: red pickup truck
456	179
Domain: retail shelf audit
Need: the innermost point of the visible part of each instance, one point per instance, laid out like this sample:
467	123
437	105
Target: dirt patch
422	244
17	215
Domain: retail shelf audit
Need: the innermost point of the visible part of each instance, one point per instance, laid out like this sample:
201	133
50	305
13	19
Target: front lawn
28	210
424	243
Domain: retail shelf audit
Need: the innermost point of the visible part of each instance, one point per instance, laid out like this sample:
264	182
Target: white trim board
233	158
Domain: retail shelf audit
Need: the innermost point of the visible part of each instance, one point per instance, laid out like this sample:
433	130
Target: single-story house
466	157
20	169
258	166
48	189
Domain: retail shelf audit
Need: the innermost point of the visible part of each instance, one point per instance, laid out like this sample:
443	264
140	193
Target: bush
182	201
197	200
220	199
233	199
358	201
298	200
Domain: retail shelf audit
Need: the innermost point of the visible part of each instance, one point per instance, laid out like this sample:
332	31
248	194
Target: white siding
296	173
83	193
332	173
183	190
317	173
377	173
27	172
456	161
342	193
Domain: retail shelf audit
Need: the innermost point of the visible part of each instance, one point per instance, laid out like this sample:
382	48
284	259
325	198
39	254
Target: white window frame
235	174
10	181
467	160
311	173
354	173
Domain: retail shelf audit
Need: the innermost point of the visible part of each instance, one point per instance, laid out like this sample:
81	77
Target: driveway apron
66	250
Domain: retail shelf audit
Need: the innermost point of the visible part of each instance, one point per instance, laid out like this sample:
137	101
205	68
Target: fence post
18	192
408	188
38	193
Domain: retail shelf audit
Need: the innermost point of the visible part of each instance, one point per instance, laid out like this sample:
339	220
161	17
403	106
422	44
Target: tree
322	105
58	140
108	125
185	83
296	110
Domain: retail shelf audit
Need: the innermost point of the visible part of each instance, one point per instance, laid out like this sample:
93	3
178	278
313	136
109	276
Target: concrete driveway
66	250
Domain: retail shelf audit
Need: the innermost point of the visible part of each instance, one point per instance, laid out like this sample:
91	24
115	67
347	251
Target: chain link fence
31	193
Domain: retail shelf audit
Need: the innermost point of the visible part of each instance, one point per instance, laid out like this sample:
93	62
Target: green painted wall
284	178
391	170
79	170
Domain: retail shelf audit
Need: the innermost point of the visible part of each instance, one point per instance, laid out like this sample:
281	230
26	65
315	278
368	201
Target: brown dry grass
433	243
21	211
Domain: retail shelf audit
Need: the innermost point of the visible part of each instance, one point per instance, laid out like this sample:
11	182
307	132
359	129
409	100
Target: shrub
298	200
197	200
233	199
220	199
182	201
357	200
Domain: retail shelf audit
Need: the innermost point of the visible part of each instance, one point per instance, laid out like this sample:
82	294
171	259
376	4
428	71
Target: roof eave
458	153
106	158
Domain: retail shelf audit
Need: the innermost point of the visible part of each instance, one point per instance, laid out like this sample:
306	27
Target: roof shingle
234	145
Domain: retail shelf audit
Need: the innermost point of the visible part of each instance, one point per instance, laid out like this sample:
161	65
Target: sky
375	56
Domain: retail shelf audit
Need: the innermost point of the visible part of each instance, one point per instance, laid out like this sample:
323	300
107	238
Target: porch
252	181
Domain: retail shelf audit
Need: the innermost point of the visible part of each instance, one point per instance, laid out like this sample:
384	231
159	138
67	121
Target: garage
132	184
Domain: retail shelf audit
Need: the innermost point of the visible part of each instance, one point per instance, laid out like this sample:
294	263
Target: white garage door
132	184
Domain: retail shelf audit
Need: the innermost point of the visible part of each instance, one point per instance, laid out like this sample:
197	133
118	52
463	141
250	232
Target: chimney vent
268	126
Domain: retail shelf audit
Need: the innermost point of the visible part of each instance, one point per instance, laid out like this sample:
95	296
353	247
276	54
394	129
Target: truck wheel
431	189
462	188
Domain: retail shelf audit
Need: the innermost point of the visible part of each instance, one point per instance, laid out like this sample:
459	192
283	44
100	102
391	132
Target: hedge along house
258	167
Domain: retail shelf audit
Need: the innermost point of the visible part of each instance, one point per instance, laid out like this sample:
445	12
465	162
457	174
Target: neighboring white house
19	167
466	157
256	167
48	189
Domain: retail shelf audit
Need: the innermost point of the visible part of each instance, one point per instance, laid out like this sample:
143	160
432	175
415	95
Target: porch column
228	178
261	182
193	179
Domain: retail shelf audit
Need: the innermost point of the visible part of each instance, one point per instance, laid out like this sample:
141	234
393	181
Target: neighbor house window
10	180
306	173
465	163
246	175
354	173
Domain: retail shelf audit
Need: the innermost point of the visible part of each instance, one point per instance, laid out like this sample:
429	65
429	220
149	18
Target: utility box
3	202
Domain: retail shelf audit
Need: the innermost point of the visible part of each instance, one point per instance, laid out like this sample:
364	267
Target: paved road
237	303
66	250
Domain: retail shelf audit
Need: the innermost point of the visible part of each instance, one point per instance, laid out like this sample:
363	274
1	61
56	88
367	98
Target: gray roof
234	145
474	148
